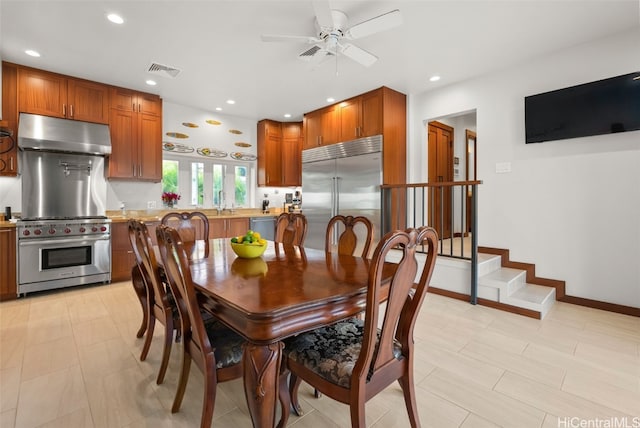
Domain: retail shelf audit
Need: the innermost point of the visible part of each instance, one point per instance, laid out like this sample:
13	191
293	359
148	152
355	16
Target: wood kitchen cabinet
136	136
9	145
122	257
51	94
228	227
8	277
360	116
320	127
279	151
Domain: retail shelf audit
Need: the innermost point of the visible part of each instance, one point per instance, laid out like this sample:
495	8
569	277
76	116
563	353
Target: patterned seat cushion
226	343
331	351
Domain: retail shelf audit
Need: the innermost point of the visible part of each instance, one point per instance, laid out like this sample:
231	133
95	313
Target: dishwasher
266	226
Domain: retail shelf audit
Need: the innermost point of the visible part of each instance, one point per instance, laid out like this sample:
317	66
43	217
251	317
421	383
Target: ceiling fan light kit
332	30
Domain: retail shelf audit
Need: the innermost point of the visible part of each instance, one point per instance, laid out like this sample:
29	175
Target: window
200	182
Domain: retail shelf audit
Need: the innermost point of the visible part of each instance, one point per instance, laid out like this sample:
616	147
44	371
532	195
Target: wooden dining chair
140	287
291	229
160	304
215	348
343	233
192	226
353	360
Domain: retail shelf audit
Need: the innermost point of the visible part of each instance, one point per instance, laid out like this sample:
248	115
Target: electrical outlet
151	205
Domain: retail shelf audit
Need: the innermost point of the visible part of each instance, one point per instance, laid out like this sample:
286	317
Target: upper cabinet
51	94
320	127
360	116
136	136
9	145
279	146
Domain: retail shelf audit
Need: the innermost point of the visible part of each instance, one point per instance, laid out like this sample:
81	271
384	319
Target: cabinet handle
133	170
64	110
11	163
139	170
71	110
139	108
357	131
133	106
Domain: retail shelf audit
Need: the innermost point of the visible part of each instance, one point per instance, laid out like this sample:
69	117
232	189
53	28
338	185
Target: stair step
506	279
534	297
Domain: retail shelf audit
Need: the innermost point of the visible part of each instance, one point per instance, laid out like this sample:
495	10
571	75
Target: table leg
261	369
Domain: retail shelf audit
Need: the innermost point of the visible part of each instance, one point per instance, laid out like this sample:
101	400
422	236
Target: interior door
472	166
440	149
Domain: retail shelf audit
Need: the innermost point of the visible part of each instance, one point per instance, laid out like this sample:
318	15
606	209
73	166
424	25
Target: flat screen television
602	107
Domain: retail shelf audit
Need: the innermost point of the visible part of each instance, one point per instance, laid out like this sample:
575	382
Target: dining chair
215	348
353	360
160	304
192	226
291	229
140	287
343	233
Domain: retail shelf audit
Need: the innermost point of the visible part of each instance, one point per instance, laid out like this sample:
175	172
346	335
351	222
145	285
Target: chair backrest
343	233
291	229
192	226
402	305
146	259
178	273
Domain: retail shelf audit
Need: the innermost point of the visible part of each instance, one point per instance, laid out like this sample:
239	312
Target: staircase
502	284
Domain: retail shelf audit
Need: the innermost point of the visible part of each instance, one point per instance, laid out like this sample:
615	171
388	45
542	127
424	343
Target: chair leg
285	400
141	292
406	383
166	351
294	385
357	414
209	399
151	324
182	382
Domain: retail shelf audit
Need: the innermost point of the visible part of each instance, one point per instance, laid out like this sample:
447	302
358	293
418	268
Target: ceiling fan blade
323	13
383	22
285	38
358	54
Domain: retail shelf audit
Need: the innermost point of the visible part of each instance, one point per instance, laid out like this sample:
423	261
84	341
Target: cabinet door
124	151
328	126
371	114
149	148
149	104
122	257
237	226
217	228
40	92
8	279
8	146
269	153
312	125
88	101
123	99
349	119
291	159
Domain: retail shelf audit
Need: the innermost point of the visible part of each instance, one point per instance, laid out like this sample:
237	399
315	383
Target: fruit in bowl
248	246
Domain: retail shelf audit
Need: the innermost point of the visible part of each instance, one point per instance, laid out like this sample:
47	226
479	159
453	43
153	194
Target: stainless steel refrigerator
341	179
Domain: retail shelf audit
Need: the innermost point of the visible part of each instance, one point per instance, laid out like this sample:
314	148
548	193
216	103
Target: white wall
571	207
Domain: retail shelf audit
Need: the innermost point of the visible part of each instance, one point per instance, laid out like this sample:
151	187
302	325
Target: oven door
45	264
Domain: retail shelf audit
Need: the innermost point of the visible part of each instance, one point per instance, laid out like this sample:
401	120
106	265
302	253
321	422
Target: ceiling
217	45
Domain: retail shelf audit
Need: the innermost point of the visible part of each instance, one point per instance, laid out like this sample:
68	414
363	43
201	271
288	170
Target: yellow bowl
248	251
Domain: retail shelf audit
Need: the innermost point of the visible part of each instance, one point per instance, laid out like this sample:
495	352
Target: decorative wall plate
213	122
177	135
242	144
235	131
243	156
176	147
190	125
211	153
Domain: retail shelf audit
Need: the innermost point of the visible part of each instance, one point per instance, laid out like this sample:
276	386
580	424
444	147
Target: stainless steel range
64	237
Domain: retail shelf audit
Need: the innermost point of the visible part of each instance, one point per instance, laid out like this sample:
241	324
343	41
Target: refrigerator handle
336	204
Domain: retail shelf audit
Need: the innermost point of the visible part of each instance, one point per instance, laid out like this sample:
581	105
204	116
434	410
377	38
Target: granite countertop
7	224
156	215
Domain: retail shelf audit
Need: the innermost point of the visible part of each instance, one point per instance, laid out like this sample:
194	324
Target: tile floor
71	359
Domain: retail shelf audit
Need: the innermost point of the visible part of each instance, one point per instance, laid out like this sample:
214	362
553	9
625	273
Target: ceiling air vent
163	70
314	52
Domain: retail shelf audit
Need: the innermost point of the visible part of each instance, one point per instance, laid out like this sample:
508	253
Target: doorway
472	167
440	167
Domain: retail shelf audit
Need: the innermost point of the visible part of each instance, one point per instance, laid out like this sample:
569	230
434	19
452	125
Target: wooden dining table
286	291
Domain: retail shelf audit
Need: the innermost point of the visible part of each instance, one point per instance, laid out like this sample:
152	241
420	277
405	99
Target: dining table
286	291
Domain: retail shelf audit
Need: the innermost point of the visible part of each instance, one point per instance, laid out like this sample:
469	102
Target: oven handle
31	242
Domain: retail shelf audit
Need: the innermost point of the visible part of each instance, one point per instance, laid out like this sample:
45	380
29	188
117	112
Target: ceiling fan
333	32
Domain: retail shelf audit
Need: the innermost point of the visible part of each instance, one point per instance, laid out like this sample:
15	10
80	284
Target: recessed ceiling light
151	82
230	102
32	53
434	78
287	115
330	100
218	108
116	19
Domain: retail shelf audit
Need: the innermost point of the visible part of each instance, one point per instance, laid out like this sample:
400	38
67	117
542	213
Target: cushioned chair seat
227	343
331	352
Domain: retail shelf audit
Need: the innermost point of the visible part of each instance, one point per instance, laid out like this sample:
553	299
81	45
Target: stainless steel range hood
37	132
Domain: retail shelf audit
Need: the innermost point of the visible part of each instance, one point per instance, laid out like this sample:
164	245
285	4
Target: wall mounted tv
596	108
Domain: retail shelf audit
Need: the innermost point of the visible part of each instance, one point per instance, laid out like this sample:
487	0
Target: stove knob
26	233
67	230
94	229
37	232
52	231
82	230
103	229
